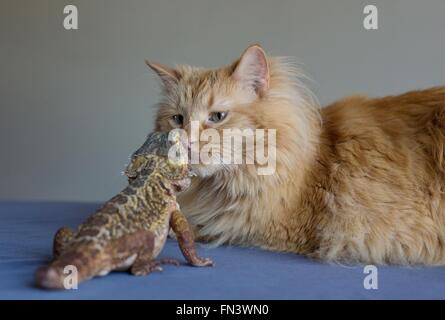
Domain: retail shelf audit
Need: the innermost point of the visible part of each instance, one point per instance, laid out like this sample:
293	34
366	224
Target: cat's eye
216	117
178	120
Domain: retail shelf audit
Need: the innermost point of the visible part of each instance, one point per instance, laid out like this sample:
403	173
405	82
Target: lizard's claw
169	261
203	262
142	269
157	268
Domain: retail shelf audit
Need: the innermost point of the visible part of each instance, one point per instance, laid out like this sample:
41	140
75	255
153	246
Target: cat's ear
252	69
168	75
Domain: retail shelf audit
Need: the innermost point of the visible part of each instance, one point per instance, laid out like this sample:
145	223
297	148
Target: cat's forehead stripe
197	91
211	100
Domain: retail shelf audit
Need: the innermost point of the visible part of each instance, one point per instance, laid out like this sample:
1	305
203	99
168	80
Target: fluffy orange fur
361	180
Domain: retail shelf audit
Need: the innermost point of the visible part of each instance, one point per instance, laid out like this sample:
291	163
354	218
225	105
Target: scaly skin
130	230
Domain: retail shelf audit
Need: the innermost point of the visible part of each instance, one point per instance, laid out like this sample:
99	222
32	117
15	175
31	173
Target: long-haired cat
361	180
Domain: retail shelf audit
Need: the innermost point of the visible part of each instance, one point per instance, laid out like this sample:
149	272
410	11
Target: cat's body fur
361	180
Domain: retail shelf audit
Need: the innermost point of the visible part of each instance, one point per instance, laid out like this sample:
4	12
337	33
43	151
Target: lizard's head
177	172
164	153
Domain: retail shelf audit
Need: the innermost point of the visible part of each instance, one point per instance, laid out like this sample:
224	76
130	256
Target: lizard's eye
177	121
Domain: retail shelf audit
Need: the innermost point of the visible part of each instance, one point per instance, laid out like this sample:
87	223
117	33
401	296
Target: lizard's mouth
181	184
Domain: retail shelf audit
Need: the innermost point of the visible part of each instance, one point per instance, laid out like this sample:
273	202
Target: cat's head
251	93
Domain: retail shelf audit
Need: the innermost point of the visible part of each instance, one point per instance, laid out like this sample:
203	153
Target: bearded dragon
130	230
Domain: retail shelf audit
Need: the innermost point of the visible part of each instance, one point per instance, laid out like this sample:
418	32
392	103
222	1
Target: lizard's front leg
180	226
196	234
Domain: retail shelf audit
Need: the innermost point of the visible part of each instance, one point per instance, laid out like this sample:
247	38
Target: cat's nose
193	144
189	148
193	149
193	139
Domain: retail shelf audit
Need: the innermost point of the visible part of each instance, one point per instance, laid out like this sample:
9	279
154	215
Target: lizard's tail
49	277
73	266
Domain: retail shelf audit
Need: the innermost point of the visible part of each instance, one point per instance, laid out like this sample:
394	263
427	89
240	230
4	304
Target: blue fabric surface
26	231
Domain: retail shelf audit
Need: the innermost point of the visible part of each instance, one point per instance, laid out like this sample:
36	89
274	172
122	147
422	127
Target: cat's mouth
203	167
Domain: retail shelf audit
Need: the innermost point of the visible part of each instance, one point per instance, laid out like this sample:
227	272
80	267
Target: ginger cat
359	181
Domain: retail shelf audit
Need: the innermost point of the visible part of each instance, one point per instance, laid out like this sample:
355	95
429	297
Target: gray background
74	104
